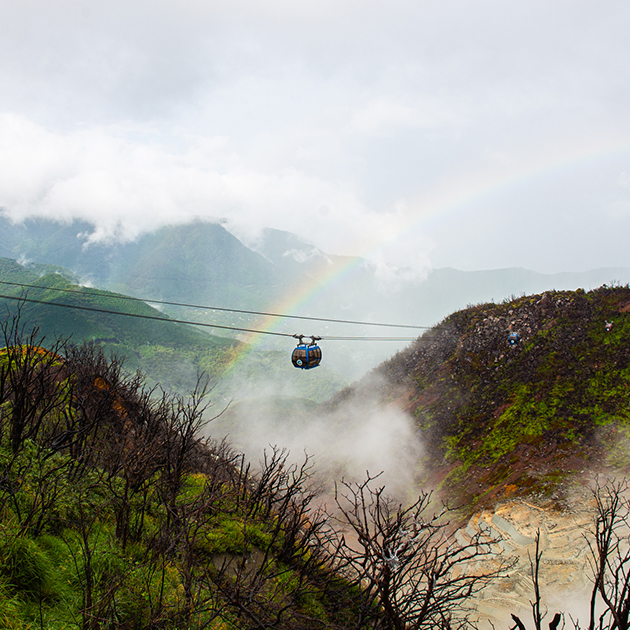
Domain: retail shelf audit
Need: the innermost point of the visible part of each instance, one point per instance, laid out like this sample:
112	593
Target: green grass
53	545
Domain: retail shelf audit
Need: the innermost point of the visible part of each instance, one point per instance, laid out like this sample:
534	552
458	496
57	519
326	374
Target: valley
202	263
511	432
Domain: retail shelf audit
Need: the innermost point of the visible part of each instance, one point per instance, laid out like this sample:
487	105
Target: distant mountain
202	263
194	262
499	419
297	257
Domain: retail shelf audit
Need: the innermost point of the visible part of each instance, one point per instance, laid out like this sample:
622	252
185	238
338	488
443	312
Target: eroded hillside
502	420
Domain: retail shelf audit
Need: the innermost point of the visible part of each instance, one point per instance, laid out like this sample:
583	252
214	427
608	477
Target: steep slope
83	324
501	419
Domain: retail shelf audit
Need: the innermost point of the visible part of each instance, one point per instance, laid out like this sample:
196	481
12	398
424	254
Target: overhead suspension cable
209	308
183	321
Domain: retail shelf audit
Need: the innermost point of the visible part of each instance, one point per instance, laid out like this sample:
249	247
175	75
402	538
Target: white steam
347	442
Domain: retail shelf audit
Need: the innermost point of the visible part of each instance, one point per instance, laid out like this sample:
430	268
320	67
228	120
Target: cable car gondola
513	338
306	355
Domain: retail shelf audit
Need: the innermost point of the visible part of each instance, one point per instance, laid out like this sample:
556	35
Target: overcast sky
475	135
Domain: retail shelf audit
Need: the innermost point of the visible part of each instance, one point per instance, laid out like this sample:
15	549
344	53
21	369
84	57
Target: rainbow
443	204
325	278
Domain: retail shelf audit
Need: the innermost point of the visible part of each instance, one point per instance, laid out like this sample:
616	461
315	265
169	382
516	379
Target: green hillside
83	324
168	353
115	512
146	344
500	419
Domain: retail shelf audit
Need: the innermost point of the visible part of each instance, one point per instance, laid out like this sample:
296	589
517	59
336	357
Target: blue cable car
306	355
513	339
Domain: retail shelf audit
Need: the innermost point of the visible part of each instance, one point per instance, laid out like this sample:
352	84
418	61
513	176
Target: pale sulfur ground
564	575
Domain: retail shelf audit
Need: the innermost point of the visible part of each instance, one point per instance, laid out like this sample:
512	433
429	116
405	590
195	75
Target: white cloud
320	118
358	436
384	117
620	209
125	188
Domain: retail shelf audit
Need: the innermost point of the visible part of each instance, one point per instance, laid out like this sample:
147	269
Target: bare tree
610	556
182	440
33	379
269	580
410	572
538	616
609	544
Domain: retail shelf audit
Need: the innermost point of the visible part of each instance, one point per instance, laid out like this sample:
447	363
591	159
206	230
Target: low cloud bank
126	188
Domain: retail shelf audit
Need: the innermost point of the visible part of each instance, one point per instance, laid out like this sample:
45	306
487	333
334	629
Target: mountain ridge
501	420
202	263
